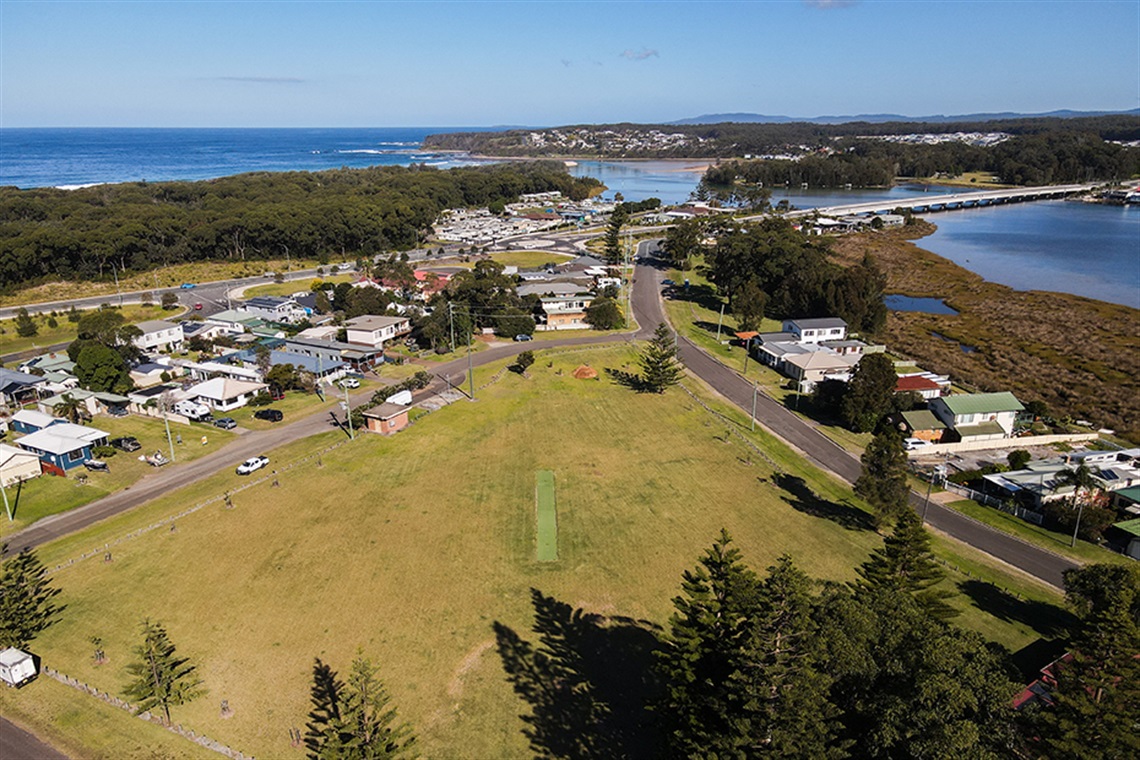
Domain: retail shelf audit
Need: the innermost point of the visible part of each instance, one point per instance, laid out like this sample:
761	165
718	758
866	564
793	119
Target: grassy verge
1059	543
412	546
65	330
289	288
166	277
520	259
84	728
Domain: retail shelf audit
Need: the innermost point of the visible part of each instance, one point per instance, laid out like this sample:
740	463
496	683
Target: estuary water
1062	246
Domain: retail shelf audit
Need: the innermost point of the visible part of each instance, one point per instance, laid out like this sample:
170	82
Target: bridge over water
924	204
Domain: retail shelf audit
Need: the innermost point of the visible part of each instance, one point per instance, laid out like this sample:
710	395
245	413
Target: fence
108	698
1002	443
1010	509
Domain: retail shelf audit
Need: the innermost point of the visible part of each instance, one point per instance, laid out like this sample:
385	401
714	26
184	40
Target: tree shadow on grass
704	296
589	682
627	379
805	500
1047	619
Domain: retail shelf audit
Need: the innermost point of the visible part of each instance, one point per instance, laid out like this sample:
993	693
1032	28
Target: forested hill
1026	151
138	226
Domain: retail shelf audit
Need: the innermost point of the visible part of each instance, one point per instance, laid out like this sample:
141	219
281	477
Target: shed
386	419
1131	529
16	667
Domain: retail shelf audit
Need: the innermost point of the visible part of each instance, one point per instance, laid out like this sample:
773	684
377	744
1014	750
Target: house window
75	456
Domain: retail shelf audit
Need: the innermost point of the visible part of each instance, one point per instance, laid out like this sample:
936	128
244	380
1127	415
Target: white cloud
639	55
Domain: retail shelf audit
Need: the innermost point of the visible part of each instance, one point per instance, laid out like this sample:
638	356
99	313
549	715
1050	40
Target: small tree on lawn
604	314
905	563
161	678
26	606
524	360
883	482
169	301
659	366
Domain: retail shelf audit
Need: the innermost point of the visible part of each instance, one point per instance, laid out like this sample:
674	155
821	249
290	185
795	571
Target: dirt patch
466	665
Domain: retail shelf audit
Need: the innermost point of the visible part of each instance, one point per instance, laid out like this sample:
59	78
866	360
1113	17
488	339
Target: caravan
193	411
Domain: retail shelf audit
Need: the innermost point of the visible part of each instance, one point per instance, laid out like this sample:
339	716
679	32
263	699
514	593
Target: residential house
386	419
321	366
232	321
17	465
978	416
28	421
565	313
922	424
150	373
811	367
224	394
63	446
50	362
816	330
1041	482
17	388
275	309
373	331
1130	530
95	402
159	335
360	357
920	384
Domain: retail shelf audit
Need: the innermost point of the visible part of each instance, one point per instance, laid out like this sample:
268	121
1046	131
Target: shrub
103	452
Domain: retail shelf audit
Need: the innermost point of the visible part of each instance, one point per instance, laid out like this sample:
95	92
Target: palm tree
71	408
1081	478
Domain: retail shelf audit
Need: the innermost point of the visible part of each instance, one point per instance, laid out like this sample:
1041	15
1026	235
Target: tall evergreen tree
659	366
161	679
870	393
787	706
26	594
883	481
354	720
704	700
25	325
613	247
905	563
1096	705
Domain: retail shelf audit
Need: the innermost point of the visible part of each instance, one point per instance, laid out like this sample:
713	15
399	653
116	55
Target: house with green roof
1130	529
978	416
921	423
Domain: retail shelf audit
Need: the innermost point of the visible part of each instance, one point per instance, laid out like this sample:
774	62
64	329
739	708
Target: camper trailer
192	410
16	667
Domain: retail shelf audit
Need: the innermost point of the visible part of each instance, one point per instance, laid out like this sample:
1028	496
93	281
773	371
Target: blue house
28	421
64	446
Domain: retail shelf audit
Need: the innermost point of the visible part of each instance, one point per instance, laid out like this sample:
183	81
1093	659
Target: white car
350	382
252	465
913	444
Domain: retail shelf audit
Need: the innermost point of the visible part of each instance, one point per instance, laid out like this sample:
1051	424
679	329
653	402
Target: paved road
821	450
18	744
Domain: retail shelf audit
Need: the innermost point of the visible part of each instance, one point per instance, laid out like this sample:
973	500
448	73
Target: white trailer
16	667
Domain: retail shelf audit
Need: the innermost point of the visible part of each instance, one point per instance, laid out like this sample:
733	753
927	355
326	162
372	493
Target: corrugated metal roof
982	403
1129	526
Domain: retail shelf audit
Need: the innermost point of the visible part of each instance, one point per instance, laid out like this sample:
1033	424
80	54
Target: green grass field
411	547
546	515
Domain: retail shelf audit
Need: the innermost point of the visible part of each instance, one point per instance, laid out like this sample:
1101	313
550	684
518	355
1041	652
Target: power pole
719	321
348	413
754	391
7	507
451	319
470	370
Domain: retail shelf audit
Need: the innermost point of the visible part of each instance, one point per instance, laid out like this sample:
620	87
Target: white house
567	313
274	309
978	416
16	465
224	394
160	335
373	331
816	330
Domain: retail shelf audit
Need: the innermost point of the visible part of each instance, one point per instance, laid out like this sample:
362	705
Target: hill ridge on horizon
755	118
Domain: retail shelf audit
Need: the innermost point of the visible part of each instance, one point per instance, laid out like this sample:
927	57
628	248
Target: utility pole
926	505
1077	527
348	413
7	507
451	319
720	321
166	423
470	370
116	273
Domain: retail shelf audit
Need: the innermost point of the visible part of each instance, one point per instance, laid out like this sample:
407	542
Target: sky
471	63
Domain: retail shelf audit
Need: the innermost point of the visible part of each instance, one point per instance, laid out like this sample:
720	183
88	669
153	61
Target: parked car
225	423
912	444
349	382
252	465
188	285
198	306
273	415
523	337
98	465
126	443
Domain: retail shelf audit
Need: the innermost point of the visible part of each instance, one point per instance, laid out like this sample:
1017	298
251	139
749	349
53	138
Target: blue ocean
70	157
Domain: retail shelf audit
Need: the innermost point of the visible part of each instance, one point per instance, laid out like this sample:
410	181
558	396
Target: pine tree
702	651
161	678
659	366
354	720
870	393
26	606
905	563
787	707
883	482
613	235
1096	705
25	325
